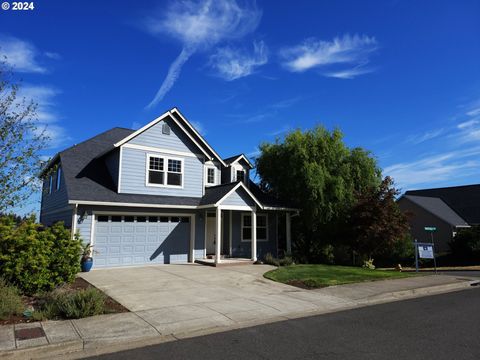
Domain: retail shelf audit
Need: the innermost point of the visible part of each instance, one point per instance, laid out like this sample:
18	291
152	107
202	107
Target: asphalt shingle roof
438	208
464	200
87	177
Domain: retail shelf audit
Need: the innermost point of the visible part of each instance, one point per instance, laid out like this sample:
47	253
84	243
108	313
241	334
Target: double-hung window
211	176
163	171
240	175
156	173
174	175
262	225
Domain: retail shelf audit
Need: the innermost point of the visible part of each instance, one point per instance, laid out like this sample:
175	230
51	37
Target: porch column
288	233
254	235
218	234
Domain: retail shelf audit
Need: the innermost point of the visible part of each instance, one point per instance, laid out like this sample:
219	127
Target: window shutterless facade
262	227
164	171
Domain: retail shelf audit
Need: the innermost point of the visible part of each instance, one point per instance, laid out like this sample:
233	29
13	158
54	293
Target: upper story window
262	225
174	176
59	179
240	175
50	184
211	176
161	175
156	174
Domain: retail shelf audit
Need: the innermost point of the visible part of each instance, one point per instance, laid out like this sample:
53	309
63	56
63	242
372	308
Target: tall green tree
21	140
316	172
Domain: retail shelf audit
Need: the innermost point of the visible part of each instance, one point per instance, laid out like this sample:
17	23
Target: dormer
238	169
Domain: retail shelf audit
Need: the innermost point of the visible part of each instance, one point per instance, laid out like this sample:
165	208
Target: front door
211	234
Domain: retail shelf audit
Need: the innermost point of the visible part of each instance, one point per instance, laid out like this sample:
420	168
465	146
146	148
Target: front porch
237	235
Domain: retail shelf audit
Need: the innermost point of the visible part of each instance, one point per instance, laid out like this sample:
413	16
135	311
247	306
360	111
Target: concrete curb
80	348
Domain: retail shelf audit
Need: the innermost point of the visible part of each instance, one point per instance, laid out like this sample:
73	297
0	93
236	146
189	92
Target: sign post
431	230
416	255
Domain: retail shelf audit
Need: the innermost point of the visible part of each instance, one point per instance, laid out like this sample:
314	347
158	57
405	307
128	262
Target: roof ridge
442	188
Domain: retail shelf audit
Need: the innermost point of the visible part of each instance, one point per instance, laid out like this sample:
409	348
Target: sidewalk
109	333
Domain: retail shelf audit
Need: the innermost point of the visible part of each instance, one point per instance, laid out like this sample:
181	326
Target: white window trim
214	175
59	179
165	171
242	227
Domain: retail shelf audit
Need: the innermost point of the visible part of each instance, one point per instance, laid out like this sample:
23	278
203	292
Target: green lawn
315	276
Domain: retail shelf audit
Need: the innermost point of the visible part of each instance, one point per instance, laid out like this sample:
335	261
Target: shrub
286	261
10	301
73	305
465	245
36	259
271	260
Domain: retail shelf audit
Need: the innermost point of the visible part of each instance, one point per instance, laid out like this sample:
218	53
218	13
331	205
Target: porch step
224	262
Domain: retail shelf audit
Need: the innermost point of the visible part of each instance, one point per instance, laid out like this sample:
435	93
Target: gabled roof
185	126
214	195
233	159
438	208
464	200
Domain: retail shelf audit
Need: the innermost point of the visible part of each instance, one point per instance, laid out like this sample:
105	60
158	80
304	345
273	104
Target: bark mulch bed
111	306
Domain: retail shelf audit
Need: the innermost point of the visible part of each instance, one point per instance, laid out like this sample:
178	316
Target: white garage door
123	240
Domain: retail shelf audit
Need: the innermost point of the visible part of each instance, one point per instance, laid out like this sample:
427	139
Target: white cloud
474	112
346	50
52	55
467	124
232	64
199	26
47	115
429	135
20	55
435	168
349	73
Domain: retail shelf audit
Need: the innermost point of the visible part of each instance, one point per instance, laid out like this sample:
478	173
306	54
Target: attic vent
165	129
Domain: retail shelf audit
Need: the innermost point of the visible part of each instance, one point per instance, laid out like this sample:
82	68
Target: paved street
444	326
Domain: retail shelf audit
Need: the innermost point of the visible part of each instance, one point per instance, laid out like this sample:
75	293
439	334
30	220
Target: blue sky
400	78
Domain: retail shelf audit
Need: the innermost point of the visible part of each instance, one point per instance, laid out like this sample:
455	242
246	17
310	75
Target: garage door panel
127	242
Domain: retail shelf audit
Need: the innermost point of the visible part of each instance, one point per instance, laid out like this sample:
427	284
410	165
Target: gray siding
422	218
54	202
177	140
240	198
61	215
134	173
112	161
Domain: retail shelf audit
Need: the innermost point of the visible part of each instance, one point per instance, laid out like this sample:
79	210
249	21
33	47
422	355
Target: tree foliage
20	142
376	224
465	245
317	173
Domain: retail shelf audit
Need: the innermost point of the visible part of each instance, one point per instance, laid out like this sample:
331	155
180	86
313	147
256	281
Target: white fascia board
142	129
279	208
199	136
240	184
111	203
244	158
156	121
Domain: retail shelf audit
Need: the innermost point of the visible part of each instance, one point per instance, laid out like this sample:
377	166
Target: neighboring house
161	194
448	209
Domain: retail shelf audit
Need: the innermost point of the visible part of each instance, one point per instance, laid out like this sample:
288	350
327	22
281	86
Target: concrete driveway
173	297
178	299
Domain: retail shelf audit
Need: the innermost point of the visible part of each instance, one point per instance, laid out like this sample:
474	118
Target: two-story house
161	194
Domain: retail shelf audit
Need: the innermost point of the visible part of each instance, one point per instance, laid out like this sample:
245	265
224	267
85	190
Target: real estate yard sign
424	251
